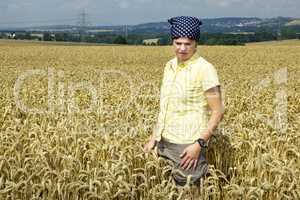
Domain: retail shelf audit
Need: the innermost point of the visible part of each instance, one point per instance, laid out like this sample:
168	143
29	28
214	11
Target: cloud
113	12
223	3
3	7
124	4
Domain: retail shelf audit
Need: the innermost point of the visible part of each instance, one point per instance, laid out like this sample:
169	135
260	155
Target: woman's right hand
150	145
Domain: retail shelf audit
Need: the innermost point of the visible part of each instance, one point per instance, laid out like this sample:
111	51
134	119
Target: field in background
11	42
293	42
73	120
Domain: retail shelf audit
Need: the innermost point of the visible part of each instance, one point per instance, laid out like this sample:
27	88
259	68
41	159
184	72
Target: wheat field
74	119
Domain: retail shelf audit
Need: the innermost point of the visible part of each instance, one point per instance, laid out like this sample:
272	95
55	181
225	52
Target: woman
190	91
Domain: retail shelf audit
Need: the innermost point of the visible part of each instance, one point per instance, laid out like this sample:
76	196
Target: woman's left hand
190	156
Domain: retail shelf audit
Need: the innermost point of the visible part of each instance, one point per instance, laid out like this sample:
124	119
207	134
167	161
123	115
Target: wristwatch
202	143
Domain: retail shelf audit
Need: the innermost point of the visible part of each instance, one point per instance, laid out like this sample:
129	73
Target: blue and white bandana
185	26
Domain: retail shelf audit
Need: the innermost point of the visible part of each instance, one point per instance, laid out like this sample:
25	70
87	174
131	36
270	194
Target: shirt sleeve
210	77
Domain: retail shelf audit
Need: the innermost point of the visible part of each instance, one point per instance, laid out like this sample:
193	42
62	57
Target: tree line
261	34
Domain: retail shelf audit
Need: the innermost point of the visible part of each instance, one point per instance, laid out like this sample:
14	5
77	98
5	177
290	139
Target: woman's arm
216	106
191	153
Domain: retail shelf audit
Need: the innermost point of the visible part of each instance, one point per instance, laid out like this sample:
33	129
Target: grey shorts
171	152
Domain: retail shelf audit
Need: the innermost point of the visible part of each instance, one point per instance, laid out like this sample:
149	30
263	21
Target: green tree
47	37
165	40
27	36
120	40
61	37
290	32
2	35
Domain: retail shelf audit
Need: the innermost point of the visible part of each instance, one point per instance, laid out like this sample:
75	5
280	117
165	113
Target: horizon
145	22
29	13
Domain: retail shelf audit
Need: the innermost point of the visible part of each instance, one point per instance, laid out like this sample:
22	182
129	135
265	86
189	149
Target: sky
20	13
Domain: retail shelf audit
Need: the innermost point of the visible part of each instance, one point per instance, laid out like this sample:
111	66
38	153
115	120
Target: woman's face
184	48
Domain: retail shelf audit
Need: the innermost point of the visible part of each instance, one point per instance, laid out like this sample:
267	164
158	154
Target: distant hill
214	25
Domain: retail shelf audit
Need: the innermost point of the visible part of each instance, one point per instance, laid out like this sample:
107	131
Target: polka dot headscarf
185	26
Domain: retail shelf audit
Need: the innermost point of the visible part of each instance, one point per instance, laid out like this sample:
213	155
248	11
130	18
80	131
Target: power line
126	32
83	23
279	30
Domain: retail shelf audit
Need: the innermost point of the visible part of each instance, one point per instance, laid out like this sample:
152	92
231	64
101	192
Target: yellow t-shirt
184	112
